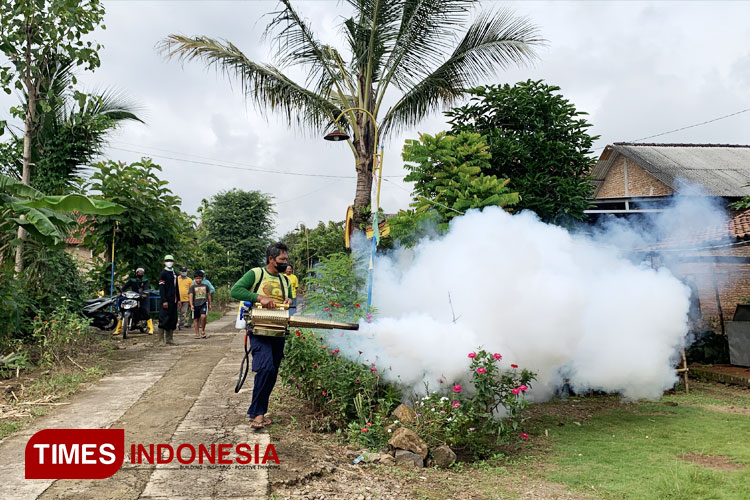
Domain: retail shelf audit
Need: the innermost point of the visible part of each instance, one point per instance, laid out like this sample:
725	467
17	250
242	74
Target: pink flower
515	391
373	369
456	404
524	436
457	388
472	428
514	366
472	355
369	317
360	352
357	381
523	388
481	370
497	356
442	411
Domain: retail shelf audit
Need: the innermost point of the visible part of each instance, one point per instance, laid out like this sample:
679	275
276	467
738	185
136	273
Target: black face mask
139	276
281	266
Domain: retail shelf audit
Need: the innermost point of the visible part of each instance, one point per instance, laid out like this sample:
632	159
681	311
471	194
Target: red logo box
75	453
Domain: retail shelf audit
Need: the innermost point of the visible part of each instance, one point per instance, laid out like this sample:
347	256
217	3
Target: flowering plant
488	412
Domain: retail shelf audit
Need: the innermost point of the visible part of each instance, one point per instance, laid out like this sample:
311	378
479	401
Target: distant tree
537	139
33	33
152	224
242	222
307	246
451	174
424	53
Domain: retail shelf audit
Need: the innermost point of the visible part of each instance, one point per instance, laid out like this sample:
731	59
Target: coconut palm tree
419	48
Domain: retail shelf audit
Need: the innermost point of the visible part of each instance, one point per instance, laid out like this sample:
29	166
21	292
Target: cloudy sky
638	69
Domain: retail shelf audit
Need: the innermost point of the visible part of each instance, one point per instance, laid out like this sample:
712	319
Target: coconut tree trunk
364	154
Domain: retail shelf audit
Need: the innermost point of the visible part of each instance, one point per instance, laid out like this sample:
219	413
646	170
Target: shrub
345	390
334	290
58	334
476	418
221	297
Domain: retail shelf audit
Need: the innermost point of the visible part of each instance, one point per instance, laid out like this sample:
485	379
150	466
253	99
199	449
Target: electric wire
230	164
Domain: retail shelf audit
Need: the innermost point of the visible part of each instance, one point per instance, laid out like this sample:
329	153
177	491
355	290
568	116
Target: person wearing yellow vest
183	285
270	287
294	282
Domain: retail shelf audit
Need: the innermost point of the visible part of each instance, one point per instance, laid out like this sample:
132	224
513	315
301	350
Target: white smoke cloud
566	306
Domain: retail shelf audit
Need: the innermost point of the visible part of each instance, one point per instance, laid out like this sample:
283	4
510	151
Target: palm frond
296	44
426	33
264	85
493	42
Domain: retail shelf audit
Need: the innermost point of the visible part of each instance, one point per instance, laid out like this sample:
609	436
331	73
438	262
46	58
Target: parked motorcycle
98	310
131	315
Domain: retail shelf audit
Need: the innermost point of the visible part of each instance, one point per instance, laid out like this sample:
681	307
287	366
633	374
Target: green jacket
244	289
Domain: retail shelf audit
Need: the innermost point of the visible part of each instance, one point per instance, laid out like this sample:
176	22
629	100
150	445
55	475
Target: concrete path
180	394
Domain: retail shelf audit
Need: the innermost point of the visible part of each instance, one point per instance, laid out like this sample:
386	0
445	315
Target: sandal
257	425
204	336
267	421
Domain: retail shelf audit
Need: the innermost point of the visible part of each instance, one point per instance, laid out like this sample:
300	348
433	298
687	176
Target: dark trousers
267	354
168	317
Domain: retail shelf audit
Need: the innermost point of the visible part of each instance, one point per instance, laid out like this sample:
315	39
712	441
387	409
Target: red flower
335	351
369	424
373	369
315	365
524	436
365	429
336	304
298	333
357	381
327	309
514	366
457	388
44	322
497	357
324	347
330	303
356	305
323	392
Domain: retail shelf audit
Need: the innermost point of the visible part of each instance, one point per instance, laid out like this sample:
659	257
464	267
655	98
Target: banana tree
401	62
45	218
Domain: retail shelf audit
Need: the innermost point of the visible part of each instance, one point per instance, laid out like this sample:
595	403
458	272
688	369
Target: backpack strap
260	280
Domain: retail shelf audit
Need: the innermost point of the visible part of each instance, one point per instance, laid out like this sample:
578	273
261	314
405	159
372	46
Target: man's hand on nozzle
266	302
288	301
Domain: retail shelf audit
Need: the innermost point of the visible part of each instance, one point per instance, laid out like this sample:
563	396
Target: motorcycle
131	315
98	310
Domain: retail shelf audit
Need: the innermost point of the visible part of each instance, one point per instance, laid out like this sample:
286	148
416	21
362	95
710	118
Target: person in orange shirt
183	285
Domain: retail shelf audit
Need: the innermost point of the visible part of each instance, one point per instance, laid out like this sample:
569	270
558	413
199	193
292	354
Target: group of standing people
177	296
180	294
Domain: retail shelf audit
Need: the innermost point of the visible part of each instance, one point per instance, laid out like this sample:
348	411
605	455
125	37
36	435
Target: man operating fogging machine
269	287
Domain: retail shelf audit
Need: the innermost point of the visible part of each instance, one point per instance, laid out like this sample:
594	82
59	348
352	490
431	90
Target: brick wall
640	182
731	279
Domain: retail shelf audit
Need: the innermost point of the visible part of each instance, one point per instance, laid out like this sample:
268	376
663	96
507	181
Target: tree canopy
539	140
242	222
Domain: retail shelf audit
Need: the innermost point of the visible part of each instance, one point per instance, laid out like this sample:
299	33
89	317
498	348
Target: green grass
632	453
213	316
